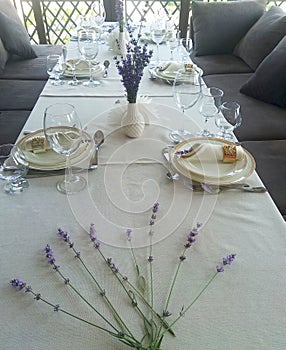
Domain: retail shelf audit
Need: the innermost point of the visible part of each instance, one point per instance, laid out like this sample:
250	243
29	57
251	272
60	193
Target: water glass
55	69
210	104
186	48
13	168
158	34
63	132
228	119
186	92
88	47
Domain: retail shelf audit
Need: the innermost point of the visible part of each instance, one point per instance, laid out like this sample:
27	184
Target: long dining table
243	308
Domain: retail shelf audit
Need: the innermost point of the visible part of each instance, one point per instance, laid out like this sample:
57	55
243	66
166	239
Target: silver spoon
98	141
106	64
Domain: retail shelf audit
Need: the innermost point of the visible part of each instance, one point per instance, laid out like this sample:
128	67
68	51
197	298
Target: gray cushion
268	83
3	57
262	37
219	26
15	38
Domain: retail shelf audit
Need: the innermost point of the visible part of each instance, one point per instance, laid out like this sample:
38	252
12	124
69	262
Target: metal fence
53	21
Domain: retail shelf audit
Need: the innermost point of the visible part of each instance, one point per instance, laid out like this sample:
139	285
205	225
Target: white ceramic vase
133	122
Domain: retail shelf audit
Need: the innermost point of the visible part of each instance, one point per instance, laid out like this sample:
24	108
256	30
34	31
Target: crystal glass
158	34
210	103
88	47
97	17
55	69
186	92
228	119
173	39
13	168
63	131
186	46
73	58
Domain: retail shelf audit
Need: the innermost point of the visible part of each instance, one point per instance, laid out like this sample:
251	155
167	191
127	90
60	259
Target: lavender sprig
119	8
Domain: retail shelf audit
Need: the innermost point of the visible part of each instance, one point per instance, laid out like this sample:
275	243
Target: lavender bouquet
155	323
131	66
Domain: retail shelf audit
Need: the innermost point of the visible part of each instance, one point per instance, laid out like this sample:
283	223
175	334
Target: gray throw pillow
261	39
3	57
219	26
15	38
268	83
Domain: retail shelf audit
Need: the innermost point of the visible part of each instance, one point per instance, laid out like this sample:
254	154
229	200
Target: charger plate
212	171
51	160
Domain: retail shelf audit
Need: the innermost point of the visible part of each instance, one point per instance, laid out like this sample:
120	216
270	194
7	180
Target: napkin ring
229	153
189	67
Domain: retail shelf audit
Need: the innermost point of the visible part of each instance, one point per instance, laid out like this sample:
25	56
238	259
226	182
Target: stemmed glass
63	131
229	119
186	92
186	49
72	60
88	47
210	104
97	17
13	168
158	34
55	69
173	42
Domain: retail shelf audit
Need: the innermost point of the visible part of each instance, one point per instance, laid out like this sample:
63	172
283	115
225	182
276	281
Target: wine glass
72	60
97	17
229	119
63	131
55	69
88	47
186	92
13	168
173	42
158	34
210	103
186	46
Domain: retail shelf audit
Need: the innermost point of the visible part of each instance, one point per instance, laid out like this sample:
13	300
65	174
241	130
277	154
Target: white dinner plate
51	160
82	70
169	74
212	171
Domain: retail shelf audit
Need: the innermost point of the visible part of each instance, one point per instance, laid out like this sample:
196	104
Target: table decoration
140	292
131	67
119	37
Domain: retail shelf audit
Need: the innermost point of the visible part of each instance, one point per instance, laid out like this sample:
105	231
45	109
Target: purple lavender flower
119	14
155	207
227	260
96	245
57	307
92	233
128	234
18	283
219	268
65	235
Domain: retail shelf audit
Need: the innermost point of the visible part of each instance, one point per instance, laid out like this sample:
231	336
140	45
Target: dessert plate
211	169
49	159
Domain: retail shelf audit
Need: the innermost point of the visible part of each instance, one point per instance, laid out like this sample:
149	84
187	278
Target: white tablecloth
244	308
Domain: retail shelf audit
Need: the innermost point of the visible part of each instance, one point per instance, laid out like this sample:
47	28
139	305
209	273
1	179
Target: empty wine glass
97	17
210	103
173	42
55	69
88	47
229	119
158	34
73	58
63	131
186	48
186	92
13	168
